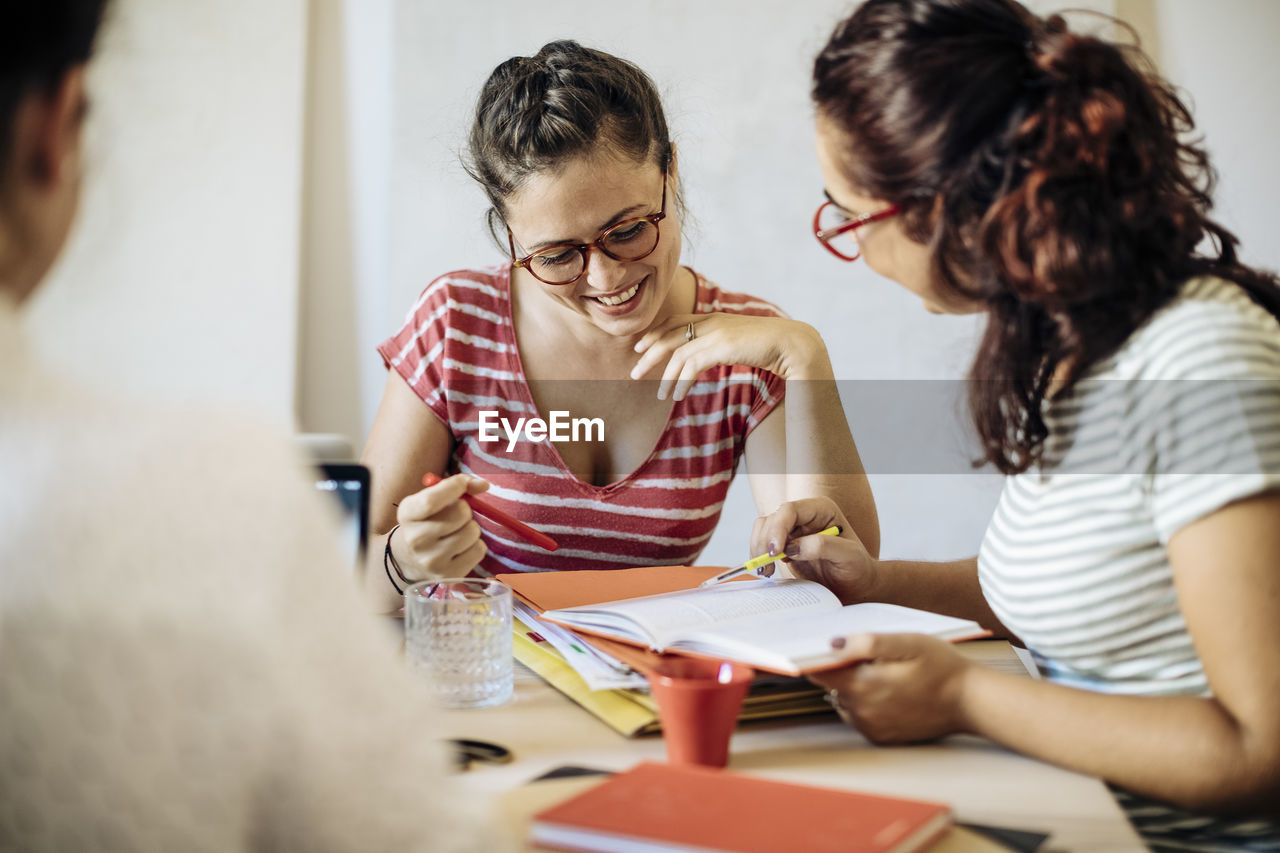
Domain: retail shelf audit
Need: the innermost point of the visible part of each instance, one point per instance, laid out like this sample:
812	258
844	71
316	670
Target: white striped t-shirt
1182	420
457	351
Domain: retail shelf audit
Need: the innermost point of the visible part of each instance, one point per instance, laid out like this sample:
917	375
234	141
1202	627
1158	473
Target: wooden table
984	783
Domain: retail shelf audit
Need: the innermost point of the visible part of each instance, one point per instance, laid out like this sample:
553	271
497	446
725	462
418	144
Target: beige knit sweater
183	664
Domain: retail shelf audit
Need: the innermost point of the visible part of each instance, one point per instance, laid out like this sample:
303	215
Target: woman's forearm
374	583
1186	750
822	458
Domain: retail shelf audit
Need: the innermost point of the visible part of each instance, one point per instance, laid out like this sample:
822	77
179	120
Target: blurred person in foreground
1127	382
180	664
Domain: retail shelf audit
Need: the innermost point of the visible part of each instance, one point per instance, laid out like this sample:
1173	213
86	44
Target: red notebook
666	807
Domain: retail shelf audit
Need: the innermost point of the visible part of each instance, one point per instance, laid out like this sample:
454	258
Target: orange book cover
657	806
558	590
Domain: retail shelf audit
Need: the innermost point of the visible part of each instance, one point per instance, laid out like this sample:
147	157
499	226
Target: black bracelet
389	562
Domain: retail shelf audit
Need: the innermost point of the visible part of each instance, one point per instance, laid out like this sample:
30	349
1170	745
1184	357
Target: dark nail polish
837	642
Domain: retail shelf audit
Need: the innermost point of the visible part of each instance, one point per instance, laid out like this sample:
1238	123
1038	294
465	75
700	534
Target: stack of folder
632	712
629	711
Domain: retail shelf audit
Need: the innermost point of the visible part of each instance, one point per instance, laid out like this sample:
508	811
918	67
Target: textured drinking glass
458	630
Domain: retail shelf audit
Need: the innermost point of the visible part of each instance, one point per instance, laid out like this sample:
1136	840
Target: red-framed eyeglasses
830	222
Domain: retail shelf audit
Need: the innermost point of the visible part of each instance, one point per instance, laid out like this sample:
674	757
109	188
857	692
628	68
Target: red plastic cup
698	703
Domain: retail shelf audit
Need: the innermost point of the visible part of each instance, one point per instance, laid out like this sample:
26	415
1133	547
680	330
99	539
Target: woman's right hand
438	538
840	563
788	348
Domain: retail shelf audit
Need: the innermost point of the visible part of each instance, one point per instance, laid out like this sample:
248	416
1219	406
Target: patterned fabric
457	351
1183	420
183	663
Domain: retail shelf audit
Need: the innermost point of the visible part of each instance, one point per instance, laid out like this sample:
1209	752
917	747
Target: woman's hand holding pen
437	535
689	344
901	687
840	563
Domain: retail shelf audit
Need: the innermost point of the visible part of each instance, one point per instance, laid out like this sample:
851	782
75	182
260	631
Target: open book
781	626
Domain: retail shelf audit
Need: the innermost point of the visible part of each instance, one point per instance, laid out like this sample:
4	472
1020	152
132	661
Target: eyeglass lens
626	241
832	218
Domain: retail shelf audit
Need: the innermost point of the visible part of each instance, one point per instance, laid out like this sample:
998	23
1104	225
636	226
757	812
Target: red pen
480	507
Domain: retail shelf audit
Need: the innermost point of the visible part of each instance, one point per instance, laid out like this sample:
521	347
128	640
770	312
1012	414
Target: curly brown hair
1050	173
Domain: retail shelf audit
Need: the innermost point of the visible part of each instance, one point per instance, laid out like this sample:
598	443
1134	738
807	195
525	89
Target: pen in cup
763	560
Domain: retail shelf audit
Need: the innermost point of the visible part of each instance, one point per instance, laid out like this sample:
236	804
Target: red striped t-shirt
457	351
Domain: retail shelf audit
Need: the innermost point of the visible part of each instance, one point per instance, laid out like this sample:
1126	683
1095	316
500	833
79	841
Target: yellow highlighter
763	560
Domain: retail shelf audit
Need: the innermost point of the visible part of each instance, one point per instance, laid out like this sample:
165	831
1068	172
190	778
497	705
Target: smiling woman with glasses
594	319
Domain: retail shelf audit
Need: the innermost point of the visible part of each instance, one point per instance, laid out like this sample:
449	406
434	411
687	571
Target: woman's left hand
904	687
789	348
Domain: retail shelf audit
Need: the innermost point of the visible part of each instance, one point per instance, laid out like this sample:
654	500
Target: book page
801	642
660	619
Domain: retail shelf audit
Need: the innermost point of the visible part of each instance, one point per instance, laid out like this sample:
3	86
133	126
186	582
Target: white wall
1222	56
735	81
181	279
735	78
345	214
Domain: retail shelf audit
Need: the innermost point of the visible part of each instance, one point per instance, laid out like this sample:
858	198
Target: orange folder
556	590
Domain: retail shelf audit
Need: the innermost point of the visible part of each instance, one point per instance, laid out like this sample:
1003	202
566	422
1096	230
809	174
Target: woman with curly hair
1128	383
